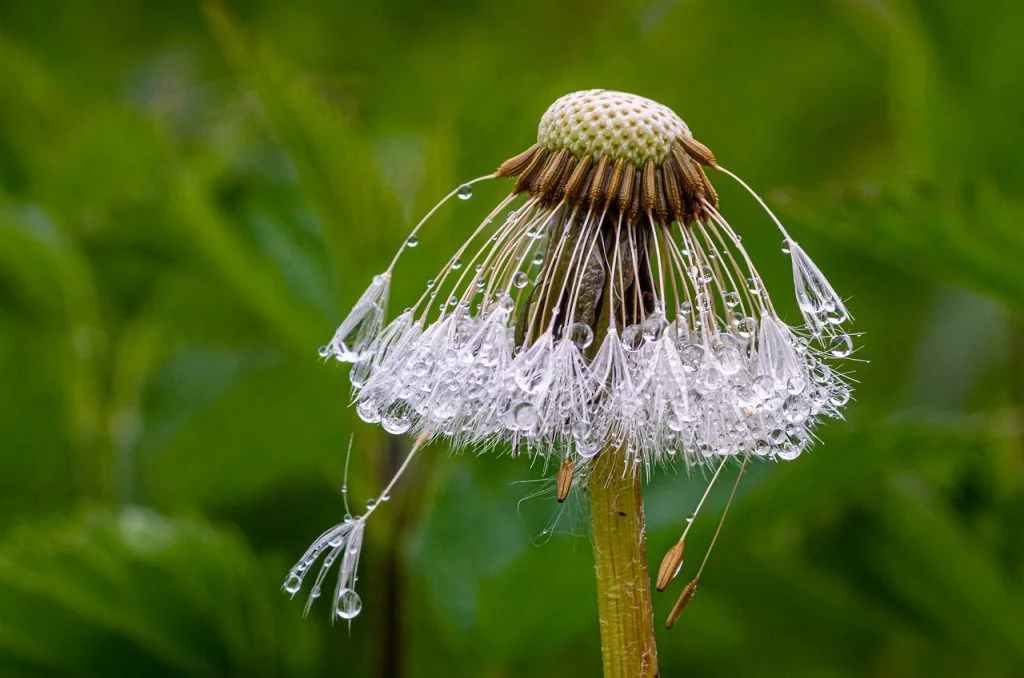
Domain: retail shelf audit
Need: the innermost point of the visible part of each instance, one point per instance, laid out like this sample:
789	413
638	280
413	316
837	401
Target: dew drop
293	584
520	279
581	429
796	409
525	416
538	259
465	192
367	411
456	264
732	299
581	335
632	338
370	503
785	246
348	605
840	396
691	357
654	327
395	424
841	345
412	241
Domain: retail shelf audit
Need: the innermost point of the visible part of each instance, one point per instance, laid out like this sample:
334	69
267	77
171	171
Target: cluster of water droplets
659	389
343	541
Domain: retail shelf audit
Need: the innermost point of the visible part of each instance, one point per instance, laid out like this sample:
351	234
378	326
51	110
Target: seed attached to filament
564	482
670	565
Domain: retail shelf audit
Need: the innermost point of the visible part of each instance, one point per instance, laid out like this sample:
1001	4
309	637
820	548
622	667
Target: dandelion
604	312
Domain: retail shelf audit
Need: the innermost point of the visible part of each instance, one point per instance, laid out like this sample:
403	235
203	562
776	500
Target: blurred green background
192	195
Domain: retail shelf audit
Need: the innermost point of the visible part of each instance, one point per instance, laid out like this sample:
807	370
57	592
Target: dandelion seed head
617	125
605	304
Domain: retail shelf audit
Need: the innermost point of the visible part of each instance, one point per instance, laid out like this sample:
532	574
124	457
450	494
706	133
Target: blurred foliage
192	194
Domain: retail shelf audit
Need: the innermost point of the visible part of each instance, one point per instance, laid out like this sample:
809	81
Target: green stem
620	556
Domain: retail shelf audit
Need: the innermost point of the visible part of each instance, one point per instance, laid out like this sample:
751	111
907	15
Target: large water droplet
841	345
796	409
840	396
525	416
348	605
632	338
732	299
729	359
293	584
691	357
396	424
581	335
581	429
520	279
465	192
368	412
654	327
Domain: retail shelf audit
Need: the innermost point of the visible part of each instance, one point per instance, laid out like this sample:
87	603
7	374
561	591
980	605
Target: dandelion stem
620	556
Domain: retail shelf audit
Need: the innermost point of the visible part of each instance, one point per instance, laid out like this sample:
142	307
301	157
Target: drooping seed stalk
620	556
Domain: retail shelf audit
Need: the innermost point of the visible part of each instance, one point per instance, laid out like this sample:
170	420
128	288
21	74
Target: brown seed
564	481
684	599
670	565
698	151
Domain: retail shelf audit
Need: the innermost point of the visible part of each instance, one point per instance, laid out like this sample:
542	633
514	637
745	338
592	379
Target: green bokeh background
191	196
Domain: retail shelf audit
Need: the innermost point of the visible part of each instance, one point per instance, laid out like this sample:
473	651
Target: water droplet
348	605
841	345
367	411
520	279
581	335
729	359
796	409
525	416
581	429
465	192
293	584
840	396
538	259
689	518
654	327
430	283
691	357
395	424
796	385
778	436
785	246
732	299
746	327
370	503
753	286
325	351
632	338
456	264
412	241
360	373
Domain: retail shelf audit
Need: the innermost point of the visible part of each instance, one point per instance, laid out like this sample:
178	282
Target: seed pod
564	482
684	599
670	565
